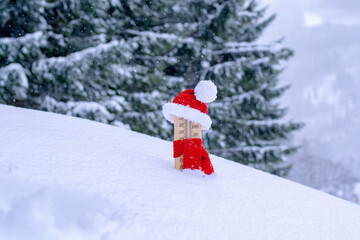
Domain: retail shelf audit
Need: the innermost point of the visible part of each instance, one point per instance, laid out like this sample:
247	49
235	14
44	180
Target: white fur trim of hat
170	110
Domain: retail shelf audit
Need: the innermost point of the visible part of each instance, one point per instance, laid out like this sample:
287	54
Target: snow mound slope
69	178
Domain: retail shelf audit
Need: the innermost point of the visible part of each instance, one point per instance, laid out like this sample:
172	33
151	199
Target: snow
88	53
238	98
68	178
31	37
13	80
224	67
243	47
15	49
155	36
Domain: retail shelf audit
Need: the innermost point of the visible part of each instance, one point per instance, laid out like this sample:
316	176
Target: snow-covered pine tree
247	120
88	58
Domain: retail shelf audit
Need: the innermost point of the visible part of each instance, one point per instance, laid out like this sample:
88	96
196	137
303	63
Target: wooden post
184	129
179	134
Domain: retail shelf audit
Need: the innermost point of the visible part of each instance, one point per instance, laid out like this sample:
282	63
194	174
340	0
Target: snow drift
69	178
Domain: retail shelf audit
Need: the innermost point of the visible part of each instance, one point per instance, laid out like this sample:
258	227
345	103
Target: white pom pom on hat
205	91
191	104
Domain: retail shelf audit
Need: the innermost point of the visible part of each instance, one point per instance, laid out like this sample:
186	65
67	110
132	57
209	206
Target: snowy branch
163	36
237	98
246	14
269	122
157	58
258	149
242	47
13	81
43	64
237	63
219	66
14	49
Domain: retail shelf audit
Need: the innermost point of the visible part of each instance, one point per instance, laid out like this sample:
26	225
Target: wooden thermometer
184	129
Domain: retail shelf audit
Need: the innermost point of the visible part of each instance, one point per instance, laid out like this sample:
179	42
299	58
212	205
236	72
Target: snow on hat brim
170	110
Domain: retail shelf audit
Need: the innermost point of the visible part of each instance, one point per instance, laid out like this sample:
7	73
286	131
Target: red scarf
195	155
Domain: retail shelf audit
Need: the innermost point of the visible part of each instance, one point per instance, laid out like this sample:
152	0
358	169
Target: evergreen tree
247	125
88	58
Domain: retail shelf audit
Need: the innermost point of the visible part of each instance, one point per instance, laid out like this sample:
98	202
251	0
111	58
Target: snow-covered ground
69	178
324	74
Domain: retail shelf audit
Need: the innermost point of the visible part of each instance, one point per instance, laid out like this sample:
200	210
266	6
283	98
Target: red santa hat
191	104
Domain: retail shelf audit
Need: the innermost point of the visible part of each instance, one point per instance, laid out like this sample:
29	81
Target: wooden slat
195	130
184	129
179	134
